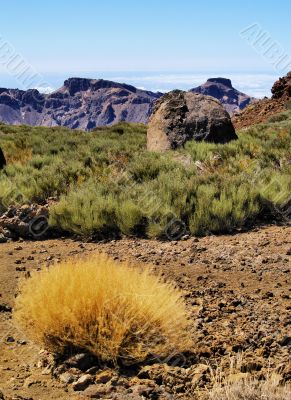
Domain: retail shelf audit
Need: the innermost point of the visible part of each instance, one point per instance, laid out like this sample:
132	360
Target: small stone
185	237
30	382
96	391
10	339
204	351
144	391
21	269
286	341
5	308
83	361
47	370
104	376
199	374
3	239
268	295
83	382
251	366
22	342
67	377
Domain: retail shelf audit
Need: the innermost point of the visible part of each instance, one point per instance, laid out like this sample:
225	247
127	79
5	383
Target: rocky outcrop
263	109
2	159
27	221
181	116
221	88
79	103
87	103
282	87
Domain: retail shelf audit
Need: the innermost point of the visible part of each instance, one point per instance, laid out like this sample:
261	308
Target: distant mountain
86	103
79	103
221	88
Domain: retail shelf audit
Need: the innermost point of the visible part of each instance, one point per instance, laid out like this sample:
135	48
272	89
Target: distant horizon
256	84
158	46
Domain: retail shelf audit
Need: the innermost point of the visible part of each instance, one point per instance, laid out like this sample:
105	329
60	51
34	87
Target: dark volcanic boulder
181	116
2	159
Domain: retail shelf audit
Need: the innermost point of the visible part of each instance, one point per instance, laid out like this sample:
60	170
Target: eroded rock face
79	104
221	88
282	87
181	116
2	159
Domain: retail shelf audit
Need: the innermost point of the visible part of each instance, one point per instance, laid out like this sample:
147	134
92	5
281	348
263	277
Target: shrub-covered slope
105	182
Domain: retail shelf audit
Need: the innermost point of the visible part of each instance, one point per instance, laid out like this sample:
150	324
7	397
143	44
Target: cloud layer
258	85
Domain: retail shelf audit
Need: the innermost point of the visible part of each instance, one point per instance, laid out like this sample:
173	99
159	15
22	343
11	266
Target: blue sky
142	41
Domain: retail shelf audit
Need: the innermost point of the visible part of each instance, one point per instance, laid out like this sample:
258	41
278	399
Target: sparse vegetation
112	310
235	385
250	389
105	182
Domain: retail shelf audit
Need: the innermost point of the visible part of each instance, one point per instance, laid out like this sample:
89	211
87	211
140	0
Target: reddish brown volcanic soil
237	289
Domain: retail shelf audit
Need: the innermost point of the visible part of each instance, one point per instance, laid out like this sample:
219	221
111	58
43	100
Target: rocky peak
80	103
222	81
75	85
221	88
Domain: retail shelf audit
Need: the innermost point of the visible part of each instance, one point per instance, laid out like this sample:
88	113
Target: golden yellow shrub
110	309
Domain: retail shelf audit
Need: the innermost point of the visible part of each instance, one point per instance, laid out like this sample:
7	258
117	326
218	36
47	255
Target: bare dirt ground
237	289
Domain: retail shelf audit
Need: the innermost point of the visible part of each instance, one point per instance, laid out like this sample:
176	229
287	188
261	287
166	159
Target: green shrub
106	183
223	210
279	117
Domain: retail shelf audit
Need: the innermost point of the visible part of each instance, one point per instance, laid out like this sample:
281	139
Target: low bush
112	310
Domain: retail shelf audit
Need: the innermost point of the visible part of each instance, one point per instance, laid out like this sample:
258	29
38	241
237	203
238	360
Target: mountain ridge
83	103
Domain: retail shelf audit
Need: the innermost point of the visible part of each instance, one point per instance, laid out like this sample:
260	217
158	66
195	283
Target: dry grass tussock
109	309
251	389
244	386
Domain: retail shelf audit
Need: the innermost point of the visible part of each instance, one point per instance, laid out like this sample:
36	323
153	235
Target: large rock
181	116
2	159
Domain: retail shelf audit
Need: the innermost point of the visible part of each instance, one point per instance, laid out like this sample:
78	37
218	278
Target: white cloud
256	84
45	89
